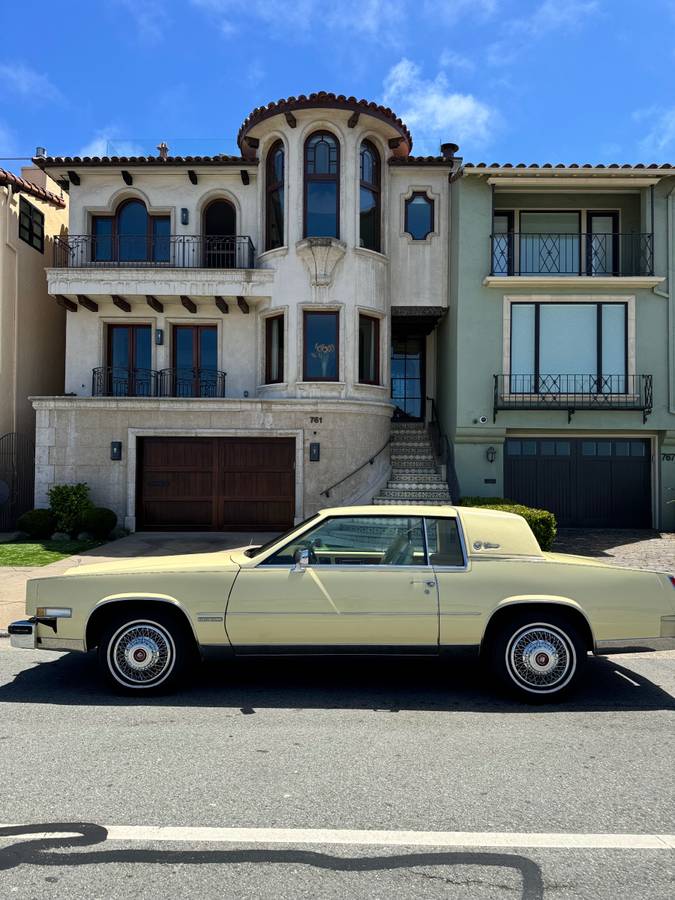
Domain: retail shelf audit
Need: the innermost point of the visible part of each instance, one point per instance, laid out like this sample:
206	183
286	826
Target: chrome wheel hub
141	653
540	658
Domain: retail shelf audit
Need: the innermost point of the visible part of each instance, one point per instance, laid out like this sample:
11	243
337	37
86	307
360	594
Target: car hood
185	562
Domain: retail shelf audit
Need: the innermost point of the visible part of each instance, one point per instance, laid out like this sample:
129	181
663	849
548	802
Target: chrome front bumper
23	634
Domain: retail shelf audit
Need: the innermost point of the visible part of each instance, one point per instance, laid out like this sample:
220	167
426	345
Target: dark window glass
369	350
513	448
220	228
547	448
275	197
637	448
370	197
445	548
195	356
419	216
359	541
129	361
321	346
102	244
604	448
132	231
274	349
322	186
161	229
563	448
588	448
529	448
621	448
31	225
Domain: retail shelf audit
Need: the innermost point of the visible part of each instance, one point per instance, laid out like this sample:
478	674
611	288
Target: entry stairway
415	476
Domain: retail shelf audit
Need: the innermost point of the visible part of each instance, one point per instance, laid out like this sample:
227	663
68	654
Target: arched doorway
220	235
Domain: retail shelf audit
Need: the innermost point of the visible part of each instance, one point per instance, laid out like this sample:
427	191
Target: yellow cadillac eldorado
393	580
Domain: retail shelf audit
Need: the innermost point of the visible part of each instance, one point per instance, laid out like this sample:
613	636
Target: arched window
274	188
220	235
131	235
322	185
369	197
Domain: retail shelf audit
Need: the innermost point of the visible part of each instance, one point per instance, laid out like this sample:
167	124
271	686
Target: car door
368	585
461	612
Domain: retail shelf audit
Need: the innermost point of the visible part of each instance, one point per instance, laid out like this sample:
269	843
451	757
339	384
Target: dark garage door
216	484
587	483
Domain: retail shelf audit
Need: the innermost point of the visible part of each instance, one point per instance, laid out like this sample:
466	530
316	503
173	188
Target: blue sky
508	80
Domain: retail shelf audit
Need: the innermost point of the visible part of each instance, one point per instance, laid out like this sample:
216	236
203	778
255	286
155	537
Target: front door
368	584
407	376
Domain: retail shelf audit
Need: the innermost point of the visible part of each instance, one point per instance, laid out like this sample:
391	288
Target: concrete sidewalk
13	578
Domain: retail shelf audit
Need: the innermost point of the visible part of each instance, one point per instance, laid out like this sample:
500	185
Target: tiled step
381	501
418	476
415	437
414	494
414	484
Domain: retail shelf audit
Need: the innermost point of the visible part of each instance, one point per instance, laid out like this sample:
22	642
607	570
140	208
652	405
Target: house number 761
316	420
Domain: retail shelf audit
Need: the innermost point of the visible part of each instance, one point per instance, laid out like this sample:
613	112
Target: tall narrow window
274	350
419	216
195	360
31	225
369	350
128	373
322	185
274	186
321	346
369	197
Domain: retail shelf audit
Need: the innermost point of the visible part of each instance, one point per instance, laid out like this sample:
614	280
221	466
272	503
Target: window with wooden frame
322	185
274	349
274	193
369	197
369	350
128	371
31	225
419	215
321	338
130	235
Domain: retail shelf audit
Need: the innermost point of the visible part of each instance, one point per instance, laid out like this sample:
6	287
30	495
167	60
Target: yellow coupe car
397	580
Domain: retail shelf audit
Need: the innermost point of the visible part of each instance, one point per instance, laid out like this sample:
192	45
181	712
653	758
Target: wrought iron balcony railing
574	392
113	381
594	255
174	251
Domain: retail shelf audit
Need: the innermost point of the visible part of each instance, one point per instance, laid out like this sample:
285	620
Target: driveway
13	579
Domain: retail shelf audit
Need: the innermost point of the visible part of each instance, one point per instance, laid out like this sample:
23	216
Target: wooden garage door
587	483
216	484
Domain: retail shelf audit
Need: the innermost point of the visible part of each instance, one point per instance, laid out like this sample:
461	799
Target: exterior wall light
116	450
159	336
491	454
184	216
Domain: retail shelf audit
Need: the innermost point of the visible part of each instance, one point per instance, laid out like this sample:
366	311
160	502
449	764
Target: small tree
69	503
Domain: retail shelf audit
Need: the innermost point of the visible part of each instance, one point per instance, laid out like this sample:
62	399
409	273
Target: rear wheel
538	657
148	654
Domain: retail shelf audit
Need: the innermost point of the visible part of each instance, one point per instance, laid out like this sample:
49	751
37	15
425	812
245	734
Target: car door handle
423	581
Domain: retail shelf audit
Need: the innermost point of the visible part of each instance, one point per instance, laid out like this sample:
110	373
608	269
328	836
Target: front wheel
539	658
143	653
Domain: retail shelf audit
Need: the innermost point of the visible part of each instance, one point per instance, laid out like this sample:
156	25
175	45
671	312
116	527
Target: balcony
586	255
574	392
174	251
109	381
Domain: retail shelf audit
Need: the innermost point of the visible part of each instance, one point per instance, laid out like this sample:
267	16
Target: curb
4	634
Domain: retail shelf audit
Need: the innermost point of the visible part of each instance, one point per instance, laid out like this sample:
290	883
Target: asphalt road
354	746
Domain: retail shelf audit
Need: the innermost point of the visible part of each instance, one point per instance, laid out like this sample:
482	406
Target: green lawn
41	553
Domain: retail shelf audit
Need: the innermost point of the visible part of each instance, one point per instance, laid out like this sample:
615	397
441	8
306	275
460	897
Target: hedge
99	521
37	523
541	521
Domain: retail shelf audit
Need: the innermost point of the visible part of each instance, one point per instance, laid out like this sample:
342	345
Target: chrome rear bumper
23	634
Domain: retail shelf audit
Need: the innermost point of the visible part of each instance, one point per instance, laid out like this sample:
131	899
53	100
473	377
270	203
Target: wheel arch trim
522	601
134	597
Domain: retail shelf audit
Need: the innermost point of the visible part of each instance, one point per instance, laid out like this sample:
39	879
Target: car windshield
256	551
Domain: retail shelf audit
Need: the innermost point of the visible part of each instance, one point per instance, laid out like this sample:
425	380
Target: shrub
541	521
69	503
37	523
99	521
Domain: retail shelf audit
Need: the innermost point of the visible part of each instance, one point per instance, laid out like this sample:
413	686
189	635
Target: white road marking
621	675
322	836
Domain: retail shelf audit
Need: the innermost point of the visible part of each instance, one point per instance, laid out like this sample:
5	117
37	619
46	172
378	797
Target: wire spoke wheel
141	654
541	658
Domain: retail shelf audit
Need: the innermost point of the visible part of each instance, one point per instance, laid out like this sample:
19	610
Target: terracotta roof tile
421	161
548	165
47	162
27	187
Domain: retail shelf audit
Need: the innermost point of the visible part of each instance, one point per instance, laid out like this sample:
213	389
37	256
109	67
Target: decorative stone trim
587	281
321	256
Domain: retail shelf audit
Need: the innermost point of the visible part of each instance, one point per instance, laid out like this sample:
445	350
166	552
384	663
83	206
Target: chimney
448	150
163	148
40	152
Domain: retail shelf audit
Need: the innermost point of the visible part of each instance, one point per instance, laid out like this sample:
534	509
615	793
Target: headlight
53	612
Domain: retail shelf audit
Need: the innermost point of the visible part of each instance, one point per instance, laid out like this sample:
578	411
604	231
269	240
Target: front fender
138	597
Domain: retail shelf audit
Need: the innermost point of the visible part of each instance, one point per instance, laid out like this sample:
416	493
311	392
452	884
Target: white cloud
437	112
658	142
369	18
547	18
451	11
20	79
451	60
106	142
149	17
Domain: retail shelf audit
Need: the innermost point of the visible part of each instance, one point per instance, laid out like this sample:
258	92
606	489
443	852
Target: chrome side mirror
301	560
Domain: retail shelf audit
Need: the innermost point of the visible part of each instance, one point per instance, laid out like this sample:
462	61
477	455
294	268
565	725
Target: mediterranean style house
33	212
240	329
327	319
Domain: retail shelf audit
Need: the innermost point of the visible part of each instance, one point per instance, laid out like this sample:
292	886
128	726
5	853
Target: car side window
445	547
359	541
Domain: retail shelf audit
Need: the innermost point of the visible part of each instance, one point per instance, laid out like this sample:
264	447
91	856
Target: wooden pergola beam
243	305
189	304
221	303
70	305
154	303
121	303
87	302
